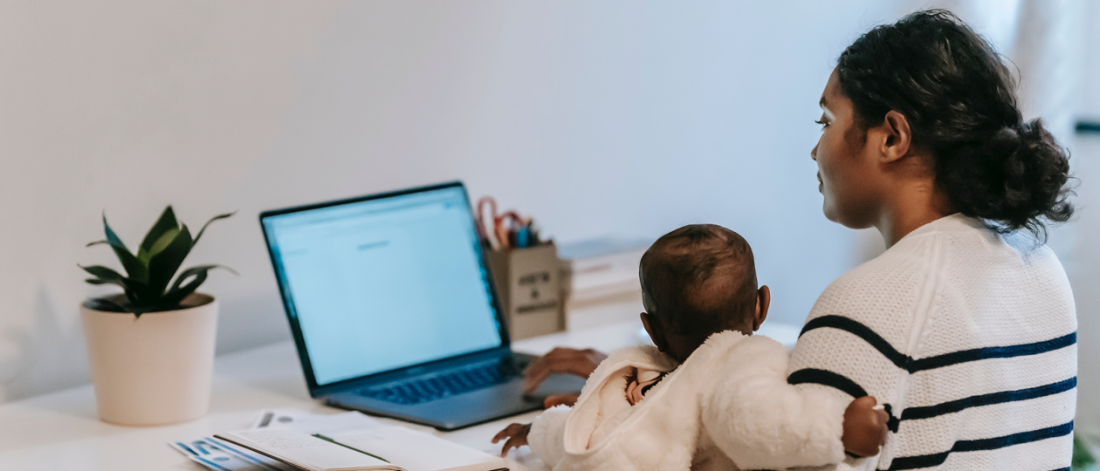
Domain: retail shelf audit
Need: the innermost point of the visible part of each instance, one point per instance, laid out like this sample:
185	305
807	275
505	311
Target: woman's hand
567	399
516	435
864	427
561	360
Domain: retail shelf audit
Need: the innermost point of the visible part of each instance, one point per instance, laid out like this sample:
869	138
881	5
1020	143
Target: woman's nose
813	152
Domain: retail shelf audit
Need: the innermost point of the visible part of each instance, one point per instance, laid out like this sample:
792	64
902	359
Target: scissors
502	224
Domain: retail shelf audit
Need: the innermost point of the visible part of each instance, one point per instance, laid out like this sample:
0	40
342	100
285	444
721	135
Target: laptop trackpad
558	384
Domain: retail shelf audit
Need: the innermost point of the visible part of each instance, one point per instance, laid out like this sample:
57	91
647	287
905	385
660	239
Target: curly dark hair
960	101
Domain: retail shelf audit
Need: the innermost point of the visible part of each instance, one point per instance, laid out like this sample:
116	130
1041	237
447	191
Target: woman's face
847	169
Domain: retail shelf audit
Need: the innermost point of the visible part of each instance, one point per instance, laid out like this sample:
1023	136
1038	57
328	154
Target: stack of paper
602	267
291	440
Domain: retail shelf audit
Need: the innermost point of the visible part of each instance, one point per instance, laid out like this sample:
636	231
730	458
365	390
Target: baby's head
696	281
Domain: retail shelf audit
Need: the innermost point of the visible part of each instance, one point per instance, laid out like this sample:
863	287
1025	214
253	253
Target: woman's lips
820	183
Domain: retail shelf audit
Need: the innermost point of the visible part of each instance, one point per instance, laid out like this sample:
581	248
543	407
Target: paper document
304	451
417	451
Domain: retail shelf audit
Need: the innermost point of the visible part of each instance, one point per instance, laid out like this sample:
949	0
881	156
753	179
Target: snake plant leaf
129	293
197	275
151	269
165	263
158	246
194	271
164	224
135	292
102	304
179	292
215	218
134	268
104	275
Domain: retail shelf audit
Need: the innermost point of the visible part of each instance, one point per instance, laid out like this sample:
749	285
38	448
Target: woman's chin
846	220
829	211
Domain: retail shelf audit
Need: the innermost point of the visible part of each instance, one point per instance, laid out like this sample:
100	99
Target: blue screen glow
383	284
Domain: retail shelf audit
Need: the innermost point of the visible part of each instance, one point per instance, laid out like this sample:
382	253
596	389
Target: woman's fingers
532	379
567	399
561	360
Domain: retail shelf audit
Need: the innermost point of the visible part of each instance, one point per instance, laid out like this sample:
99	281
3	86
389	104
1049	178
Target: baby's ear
655	333
763	301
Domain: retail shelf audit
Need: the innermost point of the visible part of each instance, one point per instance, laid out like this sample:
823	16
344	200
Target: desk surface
62	431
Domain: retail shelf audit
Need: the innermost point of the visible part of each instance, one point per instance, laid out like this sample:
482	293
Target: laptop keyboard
451	383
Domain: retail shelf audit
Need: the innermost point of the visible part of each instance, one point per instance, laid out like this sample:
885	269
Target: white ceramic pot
154	369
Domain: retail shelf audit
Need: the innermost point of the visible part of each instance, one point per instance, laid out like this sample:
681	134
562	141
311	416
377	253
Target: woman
966	325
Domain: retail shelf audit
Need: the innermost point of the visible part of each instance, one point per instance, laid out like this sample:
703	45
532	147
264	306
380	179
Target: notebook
392	448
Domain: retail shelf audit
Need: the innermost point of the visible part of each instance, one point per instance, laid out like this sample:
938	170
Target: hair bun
1008	136
1014	178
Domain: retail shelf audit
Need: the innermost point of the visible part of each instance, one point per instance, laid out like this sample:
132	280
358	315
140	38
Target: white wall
614	117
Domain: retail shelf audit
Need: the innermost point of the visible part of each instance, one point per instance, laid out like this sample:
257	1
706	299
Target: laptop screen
380	284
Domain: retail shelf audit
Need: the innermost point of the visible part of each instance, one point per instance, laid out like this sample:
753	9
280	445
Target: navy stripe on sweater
827	378
936	459
927	412
913	365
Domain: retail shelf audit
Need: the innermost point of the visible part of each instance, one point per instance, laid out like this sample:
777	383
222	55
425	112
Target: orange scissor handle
501	224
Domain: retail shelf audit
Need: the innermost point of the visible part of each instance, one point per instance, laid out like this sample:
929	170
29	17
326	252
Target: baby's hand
516	435
864	427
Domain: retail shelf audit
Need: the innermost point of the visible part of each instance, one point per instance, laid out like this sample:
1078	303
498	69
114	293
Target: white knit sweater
969	336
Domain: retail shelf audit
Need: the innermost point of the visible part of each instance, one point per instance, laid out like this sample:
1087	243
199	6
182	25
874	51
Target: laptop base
463	410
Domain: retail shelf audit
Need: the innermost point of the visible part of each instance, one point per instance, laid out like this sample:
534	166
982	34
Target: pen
327	439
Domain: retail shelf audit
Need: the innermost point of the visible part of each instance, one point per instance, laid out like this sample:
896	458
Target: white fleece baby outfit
727	407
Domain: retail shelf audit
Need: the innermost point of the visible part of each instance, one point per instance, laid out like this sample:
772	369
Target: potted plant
151	347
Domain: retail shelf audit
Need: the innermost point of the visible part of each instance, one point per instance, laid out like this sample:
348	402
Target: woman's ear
651	324
763	301
899	137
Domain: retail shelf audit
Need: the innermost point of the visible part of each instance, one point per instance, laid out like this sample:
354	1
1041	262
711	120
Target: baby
708	395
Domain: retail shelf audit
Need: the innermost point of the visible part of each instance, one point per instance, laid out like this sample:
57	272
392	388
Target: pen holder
529	285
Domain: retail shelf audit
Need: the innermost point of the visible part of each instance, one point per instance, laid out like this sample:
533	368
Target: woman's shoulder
944	248
892	277
958	255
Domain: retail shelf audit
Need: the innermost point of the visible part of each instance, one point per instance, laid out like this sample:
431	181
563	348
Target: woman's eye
822	122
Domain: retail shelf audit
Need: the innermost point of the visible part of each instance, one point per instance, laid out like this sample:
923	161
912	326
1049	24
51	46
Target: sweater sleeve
761	422
836	365
547	436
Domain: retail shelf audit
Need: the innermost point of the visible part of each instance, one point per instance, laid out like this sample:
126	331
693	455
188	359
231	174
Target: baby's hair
699	279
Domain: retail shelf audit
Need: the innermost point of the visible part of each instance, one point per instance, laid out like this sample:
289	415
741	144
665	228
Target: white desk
61	431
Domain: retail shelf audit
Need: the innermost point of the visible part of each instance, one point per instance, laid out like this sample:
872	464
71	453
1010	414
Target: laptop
393	311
